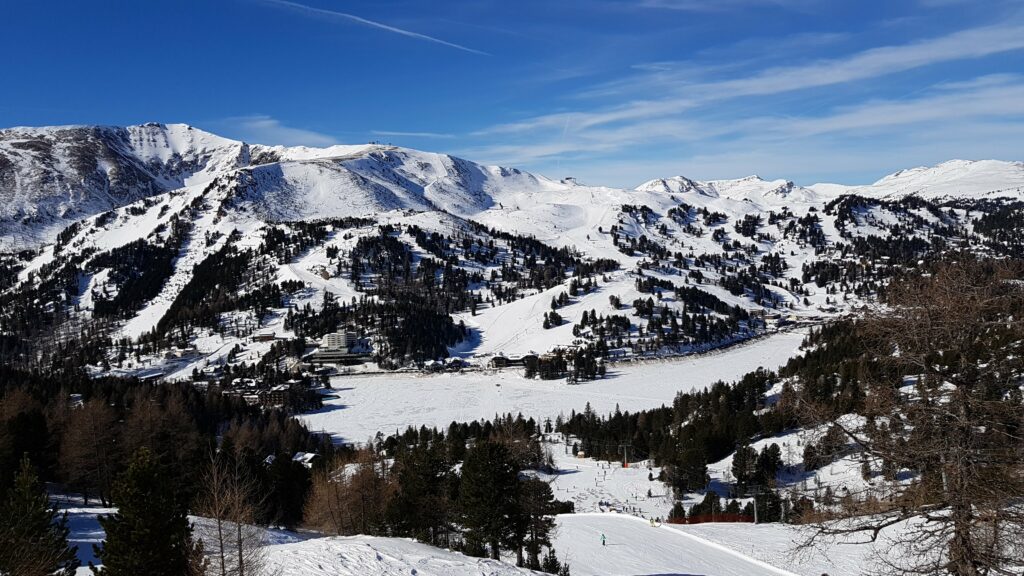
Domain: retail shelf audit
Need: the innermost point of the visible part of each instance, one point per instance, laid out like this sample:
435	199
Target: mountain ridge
52	176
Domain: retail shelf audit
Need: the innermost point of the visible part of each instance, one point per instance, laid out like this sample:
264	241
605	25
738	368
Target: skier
602	539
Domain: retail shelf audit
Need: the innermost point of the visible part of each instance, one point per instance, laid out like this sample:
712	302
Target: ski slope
362	405
633	546
778	544
602	486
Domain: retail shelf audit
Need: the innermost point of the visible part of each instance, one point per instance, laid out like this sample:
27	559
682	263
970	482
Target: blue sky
611	91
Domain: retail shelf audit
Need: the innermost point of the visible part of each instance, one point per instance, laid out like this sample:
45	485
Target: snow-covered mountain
53	176
750	188
164	252
138	224
50	177
965	179
975	179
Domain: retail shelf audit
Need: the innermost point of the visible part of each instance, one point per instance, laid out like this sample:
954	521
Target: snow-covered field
361	406
777	544
633	546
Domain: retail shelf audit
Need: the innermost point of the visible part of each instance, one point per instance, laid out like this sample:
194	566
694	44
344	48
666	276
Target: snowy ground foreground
291	554
84	526
361	406
365	555
777	544
635	547
599	486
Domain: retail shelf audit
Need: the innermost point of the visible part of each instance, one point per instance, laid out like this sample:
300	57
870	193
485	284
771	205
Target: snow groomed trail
634	547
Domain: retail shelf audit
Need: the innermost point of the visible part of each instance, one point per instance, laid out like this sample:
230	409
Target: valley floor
361	406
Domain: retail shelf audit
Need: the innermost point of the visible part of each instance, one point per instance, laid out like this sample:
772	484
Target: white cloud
263	129
682	94
981	118
688	119
976	102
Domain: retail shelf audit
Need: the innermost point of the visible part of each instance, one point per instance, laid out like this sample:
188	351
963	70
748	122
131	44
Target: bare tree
942	425
349	497
228	501
326	509
89	449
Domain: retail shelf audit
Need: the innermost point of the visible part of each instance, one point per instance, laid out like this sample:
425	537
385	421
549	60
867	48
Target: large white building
338	341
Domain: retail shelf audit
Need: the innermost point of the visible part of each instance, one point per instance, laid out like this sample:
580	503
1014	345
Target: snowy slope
633	546
752	188
613	500
291	554
50	177
364	555
951	179
780	545
54	175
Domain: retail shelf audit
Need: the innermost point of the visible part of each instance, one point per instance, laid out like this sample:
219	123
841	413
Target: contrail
364	21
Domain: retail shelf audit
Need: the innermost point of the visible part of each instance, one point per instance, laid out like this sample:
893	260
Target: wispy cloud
412	134
945	104
663	66
877	62
681	95
961	45
722	5
944	108
335	15
263	129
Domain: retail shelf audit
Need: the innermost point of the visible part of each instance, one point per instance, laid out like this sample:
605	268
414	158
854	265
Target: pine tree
744	466
33	536
551	565
536	502
487	497
150	533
